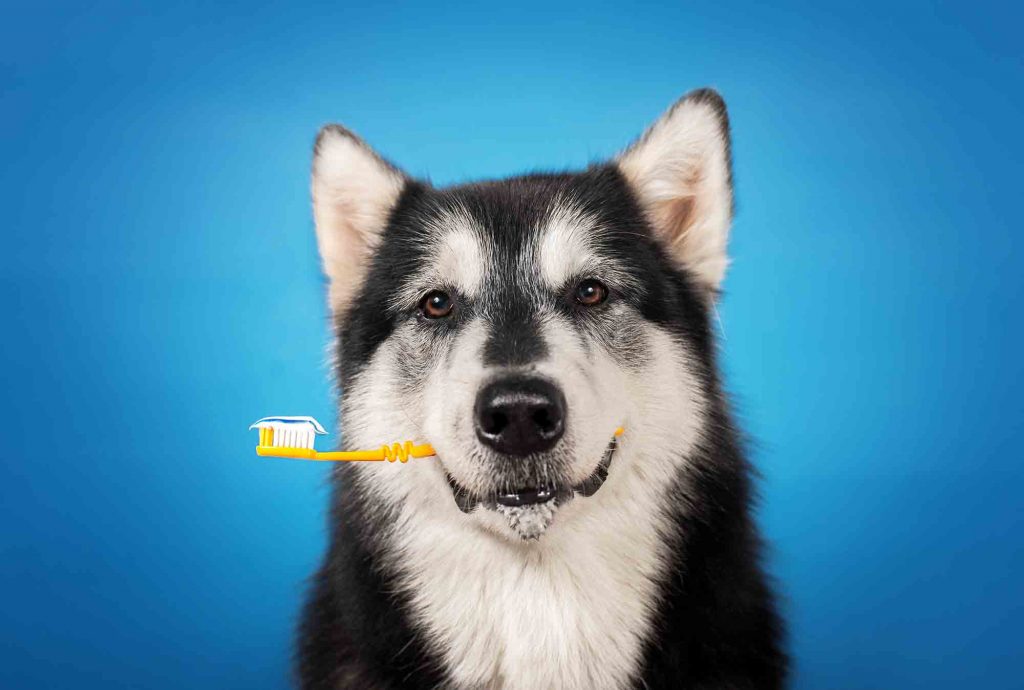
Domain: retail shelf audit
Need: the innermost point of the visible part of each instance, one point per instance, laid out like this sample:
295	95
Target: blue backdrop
160	291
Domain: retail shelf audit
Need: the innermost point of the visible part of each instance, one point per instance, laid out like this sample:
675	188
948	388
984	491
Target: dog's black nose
520	416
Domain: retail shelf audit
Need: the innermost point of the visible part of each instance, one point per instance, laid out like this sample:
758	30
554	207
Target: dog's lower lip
590	485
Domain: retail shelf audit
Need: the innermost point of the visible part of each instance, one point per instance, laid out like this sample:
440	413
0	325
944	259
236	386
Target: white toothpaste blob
530	521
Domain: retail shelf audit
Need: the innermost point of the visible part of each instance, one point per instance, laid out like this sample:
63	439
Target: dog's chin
530	510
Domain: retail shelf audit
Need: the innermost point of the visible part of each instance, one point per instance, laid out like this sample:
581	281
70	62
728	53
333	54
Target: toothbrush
293	437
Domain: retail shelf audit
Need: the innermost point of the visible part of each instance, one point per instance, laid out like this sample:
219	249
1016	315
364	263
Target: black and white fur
654	580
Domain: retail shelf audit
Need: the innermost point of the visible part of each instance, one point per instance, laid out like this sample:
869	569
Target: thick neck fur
570	610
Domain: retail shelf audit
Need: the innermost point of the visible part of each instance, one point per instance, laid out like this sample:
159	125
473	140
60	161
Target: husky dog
515	325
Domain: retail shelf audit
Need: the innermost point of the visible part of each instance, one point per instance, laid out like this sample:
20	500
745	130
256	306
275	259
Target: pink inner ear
678	215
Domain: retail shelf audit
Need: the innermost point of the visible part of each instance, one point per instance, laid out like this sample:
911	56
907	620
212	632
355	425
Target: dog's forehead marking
460	257
454	256
565	248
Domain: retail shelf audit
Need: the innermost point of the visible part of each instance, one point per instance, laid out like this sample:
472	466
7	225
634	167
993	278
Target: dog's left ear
681	171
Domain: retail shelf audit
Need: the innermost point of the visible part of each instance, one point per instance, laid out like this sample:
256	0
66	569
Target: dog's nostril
493	422
520	416
542	418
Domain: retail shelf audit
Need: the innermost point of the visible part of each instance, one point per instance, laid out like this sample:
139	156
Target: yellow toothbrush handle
398	451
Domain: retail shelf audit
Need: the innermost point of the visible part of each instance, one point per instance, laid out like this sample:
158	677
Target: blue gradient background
160	291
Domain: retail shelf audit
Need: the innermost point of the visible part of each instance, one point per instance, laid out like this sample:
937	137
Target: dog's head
516	324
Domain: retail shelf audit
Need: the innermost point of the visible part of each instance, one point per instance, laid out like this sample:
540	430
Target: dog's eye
436	304
591	292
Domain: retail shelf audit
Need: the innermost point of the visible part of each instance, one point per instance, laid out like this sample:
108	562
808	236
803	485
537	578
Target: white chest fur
571	610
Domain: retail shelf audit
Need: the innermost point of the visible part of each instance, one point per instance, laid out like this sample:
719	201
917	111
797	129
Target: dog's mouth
529	509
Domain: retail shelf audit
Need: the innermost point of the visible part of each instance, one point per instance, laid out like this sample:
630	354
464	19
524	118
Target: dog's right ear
354	191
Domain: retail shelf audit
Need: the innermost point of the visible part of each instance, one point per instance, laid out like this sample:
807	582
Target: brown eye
436	304
591	293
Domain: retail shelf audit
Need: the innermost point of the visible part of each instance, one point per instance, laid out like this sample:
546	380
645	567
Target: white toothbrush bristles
290	432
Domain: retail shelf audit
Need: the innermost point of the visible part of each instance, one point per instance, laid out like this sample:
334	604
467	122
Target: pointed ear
681	171
354	191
